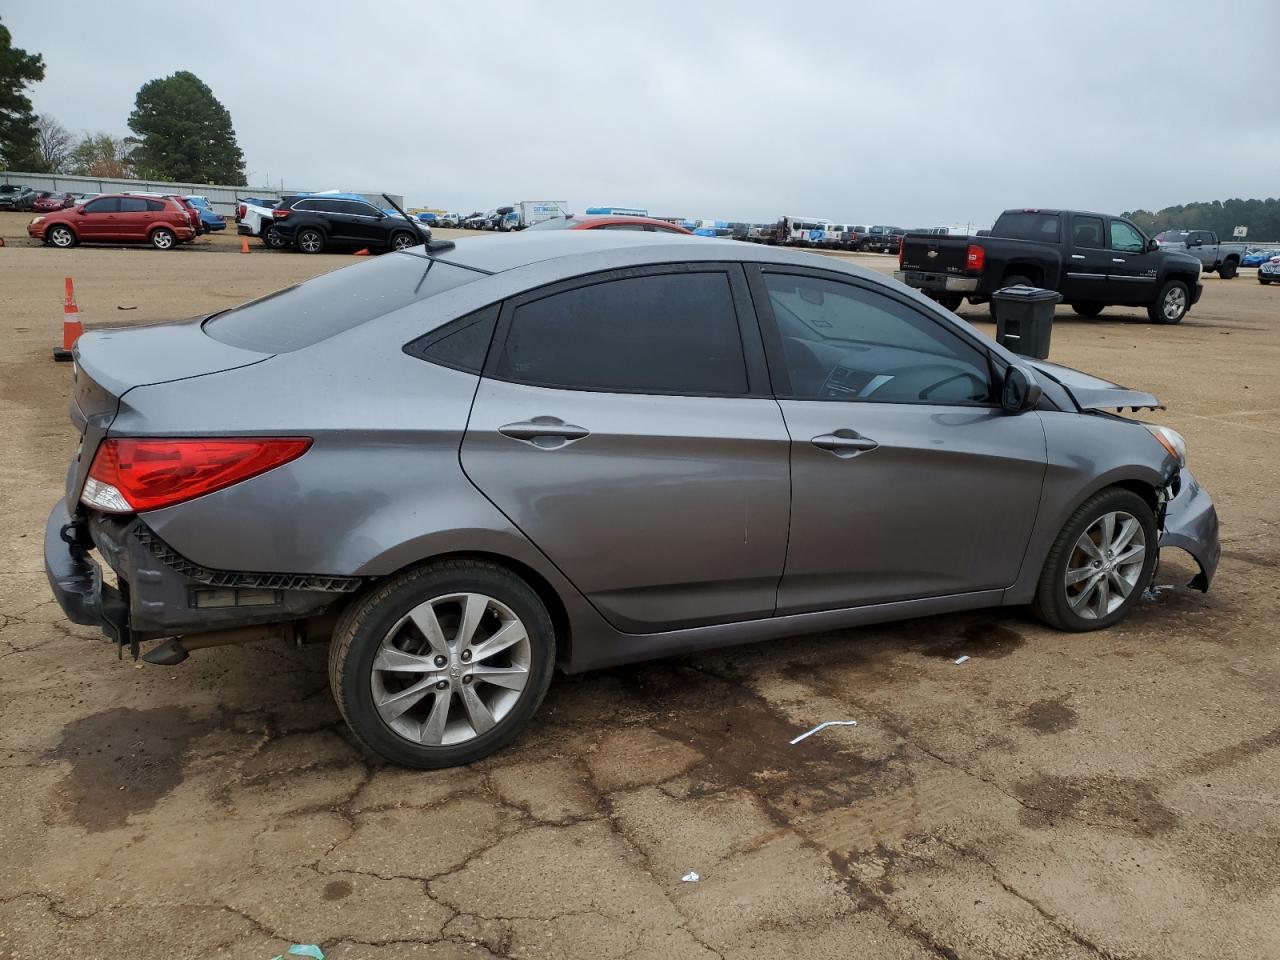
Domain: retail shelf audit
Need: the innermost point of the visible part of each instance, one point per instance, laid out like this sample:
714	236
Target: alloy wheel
309	241
1175	302
402	241
1105	565
451	669
61	237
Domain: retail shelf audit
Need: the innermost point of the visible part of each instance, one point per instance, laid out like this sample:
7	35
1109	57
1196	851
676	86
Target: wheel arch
1032	271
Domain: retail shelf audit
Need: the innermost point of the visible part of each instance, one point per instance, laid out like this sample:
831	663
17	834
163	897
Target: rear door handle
844	443
547	433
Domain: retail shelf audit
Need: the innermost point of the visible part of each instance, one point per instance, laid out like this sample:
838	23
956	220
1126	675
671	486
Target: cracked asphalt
1109	795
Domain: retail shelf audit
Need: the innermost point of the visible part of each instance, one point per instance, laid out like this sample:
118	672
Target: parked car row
518	216
328	221
162	221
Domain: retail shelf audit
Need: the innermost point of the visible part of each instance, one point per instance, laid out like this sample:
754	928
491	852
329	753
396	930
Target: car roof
591	219
569	253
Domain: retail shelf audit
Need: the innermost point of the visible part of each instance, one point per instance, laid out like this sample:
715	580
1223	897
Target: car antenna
433	246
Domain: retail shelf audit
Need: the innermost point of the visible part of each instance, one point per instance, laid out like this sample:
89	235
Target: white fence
221	196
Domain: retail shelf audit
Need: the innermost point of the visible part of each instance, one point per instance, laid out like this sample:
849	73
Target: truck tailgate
934	254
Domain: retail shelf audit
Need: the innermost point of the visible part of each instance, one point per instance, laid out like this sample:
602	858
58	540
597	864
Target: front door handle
1117	260
546	433
1077	256
844	443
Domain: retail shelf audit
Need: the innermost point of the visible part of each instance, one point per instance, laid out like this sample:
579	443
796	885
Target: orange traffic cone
362	253
1	241
244	244
71	325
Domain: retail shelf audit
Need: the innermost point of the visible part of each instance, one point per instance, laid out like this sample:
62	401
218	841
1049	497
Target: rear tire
310	240
1077	589
162	238
440	710
1088	309
951	301
274	240
1171	304
1228	269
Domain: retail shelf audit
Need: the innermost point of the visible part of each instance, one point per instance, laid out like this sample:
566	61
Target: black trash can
1024	319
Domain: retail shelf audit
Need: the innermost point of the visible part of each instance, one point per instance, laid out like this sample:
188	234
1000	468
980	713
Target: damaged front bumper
159	592
1191	524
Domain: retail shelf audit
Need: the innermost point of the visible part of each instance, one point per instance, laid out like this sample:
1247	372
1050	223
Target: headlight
36	219
1171	440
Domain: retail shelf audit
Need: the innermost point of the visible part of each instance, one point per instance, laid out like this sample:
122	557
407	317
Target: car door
1088	263
1134	270
624	424
907	480
131	221
100	219
368	223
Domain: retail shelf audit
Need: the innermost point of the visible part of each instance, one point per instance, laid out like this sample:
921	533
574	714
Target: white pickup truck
255	220
1204	246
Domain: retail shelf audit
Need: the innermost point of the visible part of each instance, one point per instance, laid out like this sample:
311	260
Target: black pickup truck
1094	260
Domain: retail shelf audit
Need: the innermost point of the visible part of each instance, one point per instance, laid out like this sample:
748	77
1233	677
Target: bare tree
55	143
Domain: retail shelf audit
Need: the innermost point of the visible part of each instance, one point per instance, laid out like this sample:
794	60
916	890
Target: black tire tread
1045	605
360	609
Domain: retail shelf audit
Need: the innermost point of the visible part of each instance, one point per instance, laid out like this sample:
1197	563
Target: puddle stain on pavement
123	761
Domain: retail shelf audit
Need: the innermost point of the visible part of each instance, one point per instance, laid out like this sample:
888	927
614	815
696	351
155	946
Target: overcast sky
920	114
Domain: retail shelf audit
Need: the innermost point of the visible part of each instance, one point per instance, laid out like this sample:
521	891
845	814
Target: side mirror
80	208
1020	392
1152	246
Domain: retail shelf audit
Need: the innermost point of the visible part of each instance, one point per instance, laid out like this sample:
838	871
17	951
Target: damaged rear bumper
160	593
1191	524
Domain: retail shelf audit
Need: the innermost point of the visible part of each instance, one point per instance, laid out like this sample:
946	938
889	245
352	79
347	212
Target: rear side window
1086	232
1028	225
671	333
133	205
154	206
462	344
335	302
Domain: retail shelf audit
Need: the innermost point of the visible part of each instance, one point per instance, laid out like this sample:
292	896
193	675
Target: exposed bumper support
936	282
1191	524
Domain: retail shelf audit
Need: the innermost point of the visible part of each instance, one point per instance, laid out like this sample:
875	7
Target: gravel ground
1106	795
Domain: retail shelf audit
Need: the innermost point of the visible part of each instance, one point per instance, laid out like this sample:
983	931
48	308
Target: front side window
1126	238
133	205
843	342
105	205
671	333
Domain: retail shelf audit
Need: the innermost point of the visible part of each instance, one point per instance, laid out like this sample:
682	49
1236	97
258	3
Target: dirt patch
1116	803
123	762
1048	716
337	890
985	638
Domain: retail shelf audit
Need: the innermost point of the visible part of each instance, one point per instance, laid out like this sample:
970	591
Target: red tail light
239	213
134	475
280	214
974	258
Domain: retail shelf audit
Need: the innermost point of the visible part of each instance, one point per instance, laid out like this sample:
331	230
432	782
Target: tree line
1262	217
178	130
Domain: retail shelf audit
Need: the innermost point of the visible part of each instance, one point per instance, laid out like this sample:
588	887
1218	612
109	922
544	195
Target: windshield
330	304
555	223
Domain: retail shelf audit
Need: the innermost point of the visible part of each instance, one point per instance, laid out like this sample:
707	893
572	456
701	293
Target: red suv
117	218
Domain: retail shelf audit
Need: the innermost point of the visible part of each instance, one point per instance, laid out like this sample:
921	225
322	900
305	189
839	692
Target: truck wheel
1228	269
444	664
1171	303
951	301
1088	309
1100	564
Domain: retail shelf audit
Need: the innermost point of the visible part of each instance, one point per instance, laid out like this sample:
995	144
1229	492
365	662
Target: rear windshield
1173	236
301	315
1028	226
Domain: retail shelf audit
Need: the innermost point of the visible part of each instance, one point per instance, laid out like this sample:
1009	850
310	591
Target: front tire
1171	303
1088	309
162	238
61	237
403	241
310	240
1100	564
1263	280
443	665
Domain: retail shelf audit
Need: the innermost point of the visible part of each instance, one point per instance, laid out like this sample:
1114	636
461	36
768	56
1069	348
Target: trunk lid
110	363
930	253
